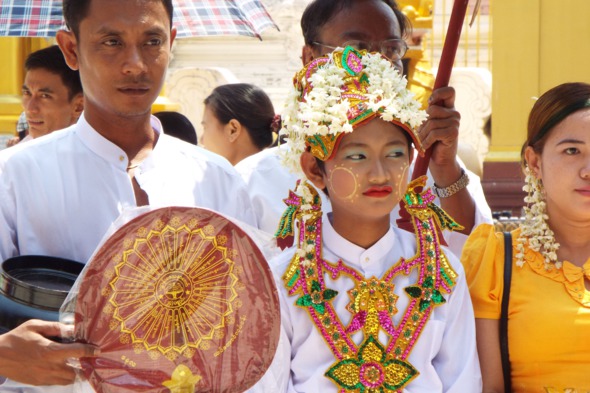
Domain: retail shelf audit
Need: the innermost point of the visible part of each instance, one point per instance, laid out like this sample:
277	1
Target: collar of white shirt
354	255
106	149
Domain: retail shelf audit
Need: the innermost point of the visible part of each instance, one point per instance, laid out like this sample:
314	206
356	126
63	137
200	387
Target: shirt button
121	158
367	259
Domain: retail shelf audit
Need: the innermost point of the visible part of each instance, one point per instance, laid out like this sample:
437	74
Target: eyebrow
570	141
356	35
360	144
42	90
106	30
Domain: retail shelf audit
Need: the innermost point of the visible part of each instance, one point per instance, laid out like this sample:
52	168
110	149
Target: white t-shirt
445	354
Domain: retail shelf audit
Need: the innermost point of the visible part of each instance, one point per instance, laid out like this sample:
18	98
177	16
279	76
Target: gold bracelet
445	192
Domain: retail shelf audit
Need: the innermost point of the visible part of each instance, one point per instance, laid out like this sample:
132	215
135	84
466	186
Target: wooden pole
443	76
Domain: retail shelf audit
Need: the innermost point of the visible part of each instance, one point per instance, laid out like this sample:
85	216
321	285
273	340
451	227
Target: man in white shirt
60	194
327	24
52	95
52	92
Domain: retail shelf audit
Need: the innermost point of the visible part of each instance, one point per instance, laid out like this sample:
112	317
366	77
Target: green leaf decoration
438	298
286	223
319	307
444	220
304	301
315	286
330	294
414	291
446	277
424	304
293	279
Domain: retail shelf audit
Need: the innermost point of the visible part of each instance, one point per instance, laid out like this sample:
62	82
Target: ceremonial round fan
178	300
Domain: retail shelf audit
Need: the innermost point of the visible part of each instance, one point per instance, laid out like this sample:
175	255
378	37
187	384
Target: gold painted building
537	44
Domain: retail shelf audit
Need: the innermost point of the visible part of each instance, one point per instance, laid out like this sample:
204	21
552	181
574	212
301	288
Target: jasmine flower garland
535	231
326	108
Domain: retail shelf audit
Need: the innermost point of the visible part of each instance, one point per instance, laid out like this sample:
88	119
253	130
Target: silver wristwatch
445	192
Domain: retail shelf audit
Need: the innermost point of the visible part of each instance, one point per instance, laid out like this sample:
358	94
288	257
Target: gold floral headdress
334	94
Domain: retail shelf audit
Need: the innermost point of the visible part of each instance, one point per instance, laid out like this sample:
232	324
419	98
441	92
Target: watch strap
445	192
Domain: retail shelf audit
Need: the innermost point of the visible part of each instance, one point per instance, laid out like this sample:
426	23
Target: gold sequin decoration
348	373
372	353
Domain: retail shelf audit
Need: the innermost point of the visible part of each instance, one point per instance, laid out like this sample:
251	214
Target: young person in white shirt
367	306
376	25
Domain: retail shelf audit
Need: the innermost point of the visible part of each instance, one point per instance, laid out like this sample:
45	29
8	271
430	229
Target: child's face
367	175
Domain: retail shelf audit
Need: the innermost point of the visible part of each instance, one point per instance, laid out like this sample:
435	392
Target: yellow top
548	315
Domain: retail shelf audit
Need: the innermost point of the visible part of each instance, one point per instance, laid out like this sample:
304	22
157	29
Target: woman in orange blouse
549	303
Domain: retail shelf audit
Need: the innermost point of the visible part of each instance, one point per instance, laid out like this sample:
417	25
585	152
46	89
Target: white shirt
59	195
26	139
445	354
269	182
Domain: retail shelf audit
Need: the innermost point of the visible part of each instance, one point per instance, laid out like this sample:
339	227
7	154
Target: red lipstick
378	191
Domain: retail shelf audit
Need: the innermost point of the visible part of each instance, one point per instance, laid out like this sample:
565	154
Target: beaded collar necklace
372	366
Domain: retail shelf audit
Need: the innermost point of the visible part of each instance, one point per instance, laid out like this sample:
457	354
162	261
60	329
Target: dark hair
550	109
75	11
319	12
249	105
177	125
52	60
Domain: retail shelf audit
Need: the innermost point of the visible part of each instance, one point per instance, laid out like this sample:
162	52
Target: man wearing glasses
375	25
393	48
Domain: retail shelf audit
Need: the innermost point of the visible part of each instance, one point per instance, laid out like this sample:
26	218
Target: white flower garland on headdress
323	110
535	231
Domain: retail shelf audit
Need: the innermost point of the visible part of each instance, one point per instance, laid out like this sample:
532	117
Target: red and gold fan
178	300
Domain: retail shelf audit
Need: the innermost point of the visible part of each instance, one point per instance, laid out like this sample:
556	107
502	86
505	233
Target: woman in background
549	302
238	121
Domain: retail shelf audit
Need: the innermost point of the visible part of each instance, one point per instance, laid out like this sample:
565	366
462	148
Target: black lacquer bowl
34	286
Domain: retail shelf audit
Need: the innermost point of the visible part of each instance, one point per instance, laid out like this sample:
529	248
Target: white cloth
26	139
269	182
445	354
59	195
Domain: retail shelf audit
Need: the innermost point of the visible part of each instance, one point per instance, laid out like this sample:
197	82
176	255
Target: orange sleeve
483	260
